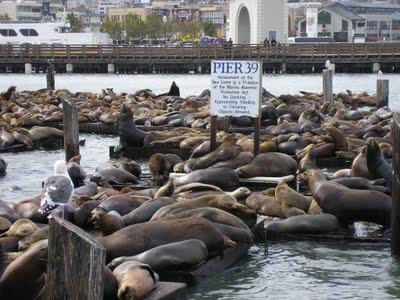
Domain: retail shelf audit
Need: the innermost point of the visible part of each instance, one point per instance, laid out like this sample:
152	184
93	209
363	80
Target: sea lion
38	235
21	228
265	205
5	224
305	224
83	213
162	164
8	244
243	158
7	212
339	138
76	173
348	205
129	135
340	173
135	280
223	178
38	133
110	285
377	166
360	183
109	177
167	190
129	165
24	278
314	208
359	166
135	239
3	167
22	139
293	203
29	209
123	203
271	164
236	234
107	223
182	255
10	91
89	190
144	212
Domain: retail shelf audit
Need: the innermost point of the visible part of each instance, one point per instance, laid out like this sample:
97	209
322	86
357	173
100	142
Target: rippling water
193	84
292	270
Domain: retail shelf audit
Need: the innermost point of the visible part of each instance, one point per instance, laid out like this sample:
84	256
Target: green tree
75	22
4	17
135	28
191	29
154	26
208	28
112	27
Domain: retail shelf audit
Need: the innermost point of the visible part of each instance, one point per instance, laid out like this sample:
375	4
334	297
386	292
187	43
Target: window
384	25
28	32
372	25
345	25
8	32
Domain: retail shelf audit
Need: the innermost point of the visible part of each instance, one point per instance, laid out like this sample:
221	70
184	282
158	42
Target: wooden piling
382	93
213	136
50	77
257	122
75	263
327	81
71	129
395	240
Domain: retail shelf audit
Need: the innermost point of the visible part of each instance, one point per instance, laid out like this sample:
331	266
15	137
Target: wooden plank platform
168	291
211	267
253	180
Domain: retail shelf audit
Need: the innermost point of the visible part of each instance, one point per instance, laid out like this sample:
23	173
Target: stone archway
243	26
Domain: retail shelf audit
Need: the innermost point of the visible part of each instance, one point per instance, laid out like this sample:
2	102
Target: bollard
28	68
50	77
71	129
327	81
75	263
382	93
395	240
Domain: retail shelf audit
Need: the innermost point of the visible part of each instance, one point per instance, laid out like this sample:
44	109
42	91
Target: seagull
57	189
328	64
380	74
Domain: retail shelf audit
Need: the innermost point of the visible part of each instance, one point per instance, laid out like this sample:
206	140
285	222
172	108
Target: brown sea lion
129	165
7	212
38	133
377	166
5	224
8	244
339	138
24	278
135	280
182	255
314	208
265	205
271	164
129	135
110	285
115	176
135	239
107	223
29	209
162	164
293	203
3	167
21	228
359	167
243	158
38	235
83	213
360	183
348	205
123	203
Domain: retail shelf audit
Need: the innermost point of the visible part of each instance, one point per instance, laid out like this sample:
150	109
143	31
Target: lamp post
165	20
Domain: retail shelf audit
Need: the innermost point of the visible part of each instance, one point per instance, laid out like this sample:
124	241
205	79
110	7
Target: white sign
235	88
312	22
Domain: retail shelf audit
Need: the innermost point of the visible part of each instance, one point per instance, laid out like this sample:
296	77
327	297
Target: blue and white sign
236	88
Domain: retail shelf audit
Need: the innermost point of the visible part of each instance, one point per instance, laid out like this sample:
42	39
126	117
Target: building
31	10
91	21
252	21
358	22
217	14
105	5
121	13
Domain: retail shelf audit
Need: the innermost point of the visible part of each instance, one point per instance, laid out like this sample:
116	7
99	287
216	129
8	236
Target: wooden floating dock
211	267
168	291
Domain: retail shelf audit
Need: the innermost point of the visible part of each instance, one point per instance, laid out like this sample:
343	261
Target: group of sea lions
195	216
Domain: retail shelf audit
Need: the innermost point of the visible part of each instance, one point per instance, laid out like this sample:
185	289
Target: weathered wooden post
327	82
71	129
50	77
395	240
257	125
75	263
213	137
382	93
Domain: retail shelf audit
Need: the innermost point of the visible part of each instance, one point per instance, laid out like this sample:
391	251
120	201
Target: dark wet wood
257	122
395	243
382	93
213	137
71	129
168	291
75	263
327	80
50	77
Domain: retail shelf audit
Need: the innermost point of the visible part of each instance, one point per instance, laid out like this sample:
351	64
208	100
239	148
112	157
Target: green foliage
75	23
208	28
154	26
135	28
4	17
112	27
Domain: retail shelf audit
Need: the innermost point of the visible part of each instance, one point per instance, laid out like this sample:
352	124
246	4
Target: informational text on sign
235	88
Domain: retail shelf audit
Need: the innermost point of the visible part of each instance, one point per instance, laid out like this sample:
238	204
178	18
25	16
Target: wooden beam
71	129
327	81
75	263
382	93
395	240
50	77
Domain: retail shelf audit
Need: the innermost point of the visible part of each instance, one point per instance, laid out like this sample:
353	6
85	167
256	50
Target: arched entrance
243	26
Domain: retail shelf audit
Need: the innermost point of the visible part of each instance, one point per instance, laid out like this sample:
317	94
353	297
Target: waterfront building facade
31	10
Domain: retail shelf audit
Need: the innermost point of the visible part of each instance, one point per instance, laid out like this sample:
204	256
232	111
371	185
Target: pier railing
344	52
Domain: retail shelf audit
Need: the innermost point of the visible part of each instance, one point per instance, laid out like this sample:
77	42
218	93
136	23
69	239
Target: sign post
236	92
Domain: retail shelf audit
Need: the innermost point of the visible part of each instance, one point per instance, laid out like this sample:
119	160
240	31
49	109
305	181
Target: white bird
380	74
57	189
328	64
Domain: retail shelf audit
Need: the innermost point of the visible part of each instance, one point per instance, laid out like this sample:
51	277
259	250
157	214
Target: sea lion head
96	215
21	228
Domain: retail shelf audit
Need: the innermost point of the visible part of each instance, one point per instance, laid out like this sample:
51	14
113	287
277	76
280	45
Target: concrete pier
110	68
376	67
28	68
69	68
